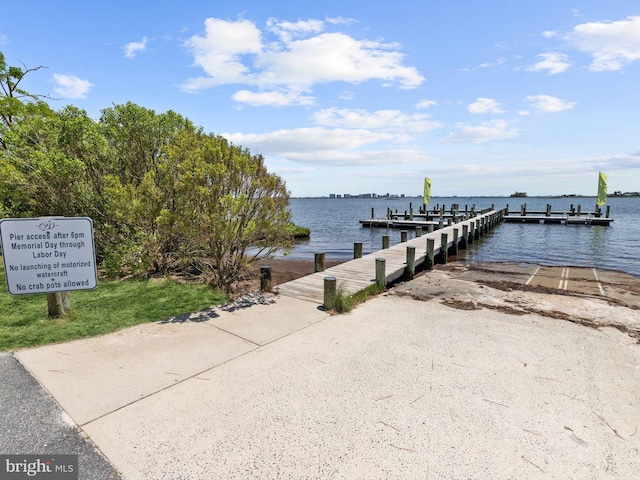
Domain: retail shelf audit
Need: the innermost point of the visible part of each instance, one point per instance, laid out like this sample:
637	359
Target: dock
559	220
444	234
398	260
573	216
429	220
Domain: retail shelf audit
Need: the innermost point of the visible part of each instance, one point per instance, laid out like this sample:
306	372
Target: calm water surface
334	224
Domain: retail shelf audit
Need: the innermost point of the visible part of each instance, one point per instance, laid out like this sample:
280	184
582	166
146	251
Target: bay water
335	227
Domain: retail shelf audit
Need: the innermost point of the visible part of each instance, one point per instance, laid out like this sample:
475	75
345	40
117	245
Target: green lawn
24	321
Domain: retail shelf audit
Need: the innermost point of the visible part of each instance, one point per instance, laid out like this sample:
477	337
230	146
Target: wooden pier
573	216
398	260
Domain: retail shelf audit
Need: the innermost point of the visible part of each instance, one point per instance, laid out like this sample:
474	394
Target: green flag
602	189
427	191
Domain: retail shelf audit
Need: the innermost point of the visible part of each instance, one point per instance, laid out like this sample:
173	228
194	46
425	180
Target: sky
483	97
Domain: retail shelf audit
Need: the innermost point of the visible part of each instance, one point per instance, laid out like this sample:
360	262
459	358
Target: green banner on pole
427	191
602	189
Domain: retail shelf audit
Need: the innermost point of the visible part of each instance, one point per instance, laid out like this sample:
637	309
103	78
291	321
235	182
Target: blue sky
484	97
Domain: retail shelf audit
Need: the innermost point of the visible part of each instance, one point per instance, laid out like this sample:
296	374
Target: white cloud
70	86
273	99
486	132
549	34
219	53
300	56
498	61
305	140
384	120
131	49
485	105
553	63
549	104
426	103
345	158
611	44
320	146
290	30
4	39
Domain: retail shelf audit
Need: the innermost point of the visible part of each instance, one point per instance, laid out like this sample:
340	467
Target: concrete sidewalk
400	388
31	423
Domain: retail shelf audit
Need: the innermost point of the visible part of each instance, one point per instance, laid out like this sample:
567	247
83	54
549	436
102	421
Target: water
334	225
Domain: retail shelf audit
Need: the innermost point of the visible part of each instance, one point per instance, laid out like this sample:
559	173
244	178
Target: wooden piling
429	260
465	236
454	247
444	242
319	262
410	270
404	234
330	293
418	231
381	275
357	250
385	241
265	278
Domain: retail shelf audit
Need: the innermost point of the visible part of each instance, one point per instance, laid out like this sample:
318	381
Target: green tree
231	210
163	195
15	102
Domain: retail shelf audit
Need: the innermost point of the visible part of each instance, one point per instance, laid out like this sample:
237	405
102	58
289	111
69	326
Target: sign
45	255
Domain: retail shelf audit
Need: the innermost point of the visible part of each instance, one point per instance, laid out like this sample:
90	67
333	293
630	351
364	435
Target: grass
345	302
300	232
24	321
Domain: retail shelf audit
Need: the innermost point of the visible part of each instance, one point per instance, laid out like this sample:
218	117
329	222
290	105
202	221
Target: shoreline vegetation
300	232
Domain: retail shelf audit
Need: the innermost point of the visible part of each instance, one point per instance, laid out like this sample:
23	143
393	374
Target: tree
16	102
230	209
164	196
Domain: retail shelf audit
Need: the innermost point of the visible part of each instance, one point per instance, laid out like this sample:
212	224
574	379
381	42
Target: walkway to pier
360	273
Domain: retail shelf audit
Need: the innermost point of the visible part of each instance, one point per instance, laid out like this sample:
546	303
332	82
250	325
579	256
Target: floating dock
559	220
573	216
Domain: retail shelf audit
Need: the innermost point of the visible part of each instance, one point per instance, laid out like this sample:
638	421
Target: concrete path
31	423
400	388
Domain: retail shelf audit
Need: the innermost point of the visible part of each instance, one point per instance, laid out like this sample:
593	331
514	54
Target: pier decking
360	273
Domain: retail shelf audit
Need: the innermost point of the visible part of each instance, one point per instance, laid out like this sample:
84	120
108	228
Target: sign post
52	255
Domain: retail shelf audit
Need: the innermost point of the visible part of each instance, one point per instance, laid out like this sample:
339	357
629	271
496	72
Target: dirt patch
460	304
504	288
283	270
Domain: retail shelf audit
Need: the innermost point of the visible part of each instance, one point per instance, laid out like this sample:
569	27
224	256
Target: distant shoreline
382	197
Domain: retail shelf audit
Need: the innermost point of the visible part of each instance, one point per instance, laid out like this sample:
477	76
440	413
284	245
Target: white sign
44	255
